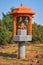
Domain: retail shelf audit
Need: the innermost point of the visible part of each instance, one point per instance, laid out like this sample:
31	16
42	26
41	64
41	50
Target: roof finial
21	4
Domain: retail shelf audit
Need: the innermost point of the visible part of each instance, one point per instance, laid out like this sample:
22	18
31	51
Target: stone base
22	38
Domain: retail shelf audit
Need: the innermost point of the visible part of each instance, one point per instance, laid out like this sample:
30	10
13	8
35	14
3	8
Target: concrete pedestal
22	36
22	32
21	50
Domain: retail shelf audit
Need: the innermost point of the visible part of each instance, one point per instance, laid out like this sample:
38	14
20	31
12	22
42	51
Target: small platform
22	38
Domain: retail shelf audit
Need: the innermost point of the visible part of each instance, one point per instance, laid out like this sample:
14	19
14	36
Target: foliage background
6	30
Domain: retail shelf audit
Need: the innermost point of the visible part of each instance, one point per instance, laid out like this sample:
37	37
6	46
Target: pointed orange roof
22	9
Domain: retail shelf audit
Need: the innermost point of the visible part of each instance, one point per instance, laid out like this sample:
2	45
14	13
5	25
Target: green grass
9	58
41	47
25	60
33	49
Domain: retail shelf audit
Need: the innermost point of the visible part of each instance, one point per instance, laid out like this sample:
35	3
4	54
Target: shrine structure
22	27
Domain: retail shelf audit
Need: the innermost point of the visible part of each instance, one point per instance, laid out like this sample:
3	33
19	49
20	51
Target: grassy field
9	55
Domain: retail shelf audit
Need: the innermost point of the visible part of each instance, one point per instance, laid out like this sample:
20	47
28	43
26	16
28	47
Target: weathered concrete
22	38
21	50
22	32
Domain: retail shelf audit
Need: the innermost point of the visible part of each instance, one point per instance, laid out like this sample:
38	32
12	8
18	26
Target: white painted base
22	38
22	32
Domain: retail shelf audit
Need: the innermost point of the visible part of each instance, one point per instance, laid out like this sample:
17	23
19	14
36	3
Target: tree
6	30
7	19
37	32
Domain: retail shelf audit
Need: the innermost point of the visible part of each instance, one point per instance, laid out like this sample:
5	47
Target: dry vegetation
9	55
